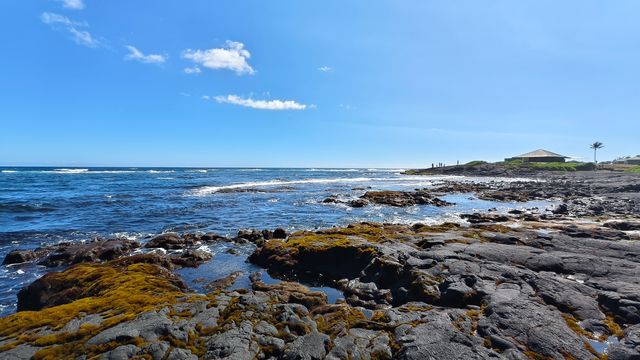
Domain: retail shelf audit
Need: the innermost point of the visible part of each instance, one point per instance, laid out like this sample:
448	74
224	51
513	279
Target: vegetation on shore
635	169
551	166
476	162
483	167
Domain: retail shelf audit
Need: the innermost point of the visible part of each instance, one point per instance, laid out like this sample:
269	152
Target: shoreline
466	291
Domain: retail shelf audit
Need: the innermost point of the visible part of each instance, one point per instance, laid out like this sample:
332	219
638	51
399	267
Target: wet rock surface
585	193
534	284
391	198
516	285
403	198
69	253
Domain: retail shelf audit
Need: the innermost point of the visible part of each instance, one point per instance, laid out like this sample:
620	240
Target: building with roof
539	155
629	160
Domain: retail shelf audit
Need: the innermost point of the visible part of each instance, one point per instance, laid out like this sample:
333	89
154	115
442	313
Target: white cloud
206	97
135	54
59	22
57	19
325	68
232	57
83	37
72	4
261	104
192	70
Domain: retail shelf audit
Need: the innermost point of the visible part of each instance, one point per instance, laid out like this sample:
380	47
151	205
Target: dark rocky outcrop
391	198
171	241
526	284
478	218
19	256
69	253
92	251
448	291
625	225
87	280
191	258
403	198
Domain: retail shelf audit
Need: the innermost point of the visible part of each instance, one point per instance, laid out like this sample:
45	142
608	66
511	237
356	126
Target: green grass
475	162
551	166
635	169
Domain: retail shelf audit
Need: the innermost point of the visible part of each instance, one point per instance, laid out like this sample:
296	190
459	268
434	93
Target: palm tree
595	146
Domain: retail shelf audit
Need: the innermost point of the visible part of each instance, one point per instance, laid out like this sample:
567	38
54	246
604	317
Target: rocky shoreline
558	283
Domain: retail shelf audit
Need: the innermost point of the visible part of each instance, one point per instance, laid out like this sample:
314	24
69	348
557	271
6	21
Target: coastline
474	290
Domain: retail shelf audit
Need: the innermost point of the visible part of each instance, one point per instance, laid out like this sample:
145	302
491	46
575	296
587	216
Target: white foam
159	171
70	171
87	171
205	248
112	172
206	190
8	171
417	180
387	170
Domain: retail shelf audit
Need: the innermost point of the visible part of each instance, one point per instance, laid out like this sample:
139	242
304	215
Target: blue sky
315	83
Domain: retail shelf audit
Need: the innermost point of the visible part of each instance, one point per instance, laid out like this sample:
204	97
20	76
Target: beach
344	264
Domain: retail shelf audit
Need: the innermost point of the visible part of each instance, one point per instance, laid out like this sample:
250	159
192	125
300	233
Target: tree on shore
595	146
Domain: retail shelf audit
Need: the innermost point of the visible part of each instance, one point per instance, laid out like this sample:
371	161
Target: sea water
40	206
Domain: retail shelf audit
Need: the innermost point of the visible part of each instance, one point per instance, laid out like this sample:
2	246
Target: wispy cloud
192	70
72	4
59	22
135	54
261	104
232	57
83	37
57	19
325	68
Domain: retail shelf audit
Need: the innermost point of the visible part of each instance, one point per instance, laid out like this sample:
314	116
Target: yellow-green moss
474	316
440	228
572	323
412	308
131	290
193	343
338	318
534	355
317	242
613	326
493	228
118	294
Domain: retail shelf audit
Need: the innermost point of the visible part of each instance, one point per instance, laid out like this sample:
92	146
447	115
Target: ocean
48	205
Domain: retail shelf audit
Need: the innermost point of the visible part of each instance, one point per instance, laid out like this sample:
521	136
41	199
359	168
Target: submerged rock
224	282
403	198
